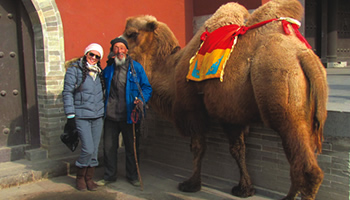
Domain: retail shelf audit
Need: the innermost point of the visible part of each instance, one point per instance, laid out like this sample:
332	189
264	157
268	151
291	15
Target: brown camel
270	77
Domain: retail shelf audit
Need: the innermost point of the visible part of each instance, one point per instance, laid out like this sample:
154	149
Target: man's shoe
135	183
103	182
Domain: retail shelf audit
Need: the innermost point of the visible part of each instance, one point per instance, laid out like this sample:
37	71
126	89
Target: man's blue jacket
131	88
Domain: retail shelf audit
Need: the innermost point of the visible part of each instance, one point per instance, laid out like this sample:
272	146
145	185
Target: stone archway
49	64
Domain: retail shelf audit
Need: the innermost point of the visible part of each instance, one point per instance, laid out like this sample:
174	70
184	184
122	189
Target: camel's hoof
242	192
188	186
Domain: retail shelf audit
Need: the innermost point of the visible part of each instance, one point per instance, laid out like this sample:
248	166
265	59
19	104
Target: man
127	87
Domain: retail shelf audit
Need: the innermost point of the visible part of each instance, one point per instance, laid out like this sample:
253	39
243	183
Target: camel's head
139	33
149	41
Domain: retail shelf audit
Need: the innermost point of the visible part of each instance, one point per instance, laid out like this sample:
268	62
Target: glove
139	107
70	125
138	104
70	135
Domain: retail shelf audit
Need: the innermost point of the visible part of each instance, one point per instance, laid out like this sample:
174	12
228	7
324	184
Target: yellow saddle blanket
210	60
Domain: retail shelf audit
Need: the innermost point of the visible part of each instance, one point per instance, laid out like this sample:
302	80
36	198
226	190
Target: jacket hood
72	63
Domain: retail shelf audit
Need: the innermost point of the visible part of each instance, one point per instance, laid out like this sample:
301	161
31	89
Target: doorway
19	121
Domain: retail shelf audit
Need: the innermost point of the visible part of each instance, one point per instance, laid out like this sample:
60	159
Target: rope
135	118
138	86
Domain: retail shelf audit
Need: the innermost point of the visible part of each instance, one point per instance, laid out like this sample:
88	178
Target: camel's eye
132	35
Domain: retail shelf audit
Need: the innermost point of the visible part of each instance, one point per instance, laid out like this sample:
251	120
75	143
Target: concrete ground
159	183
339	89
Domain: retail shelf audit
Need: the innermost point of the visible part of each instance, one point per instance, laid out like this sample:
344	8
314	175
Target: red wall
101	21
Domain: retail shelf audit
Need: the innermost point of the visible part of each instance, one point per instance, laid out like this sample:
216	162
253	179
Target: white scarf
93	70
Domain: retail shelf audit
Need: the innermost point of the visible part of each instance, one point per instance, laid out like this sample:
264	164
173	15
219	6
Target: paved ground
339	89
160	183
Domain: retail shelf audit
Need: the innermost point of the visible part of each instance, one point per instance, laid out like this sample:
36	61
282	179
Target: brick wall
49	65
266	161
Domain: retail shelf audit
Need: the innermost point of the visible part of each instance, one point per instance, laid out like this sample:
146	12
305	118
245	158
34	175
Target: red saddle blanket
210	60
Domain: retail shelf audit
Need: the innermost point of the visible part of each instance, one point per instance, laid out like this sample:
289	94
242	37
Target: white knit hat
96	47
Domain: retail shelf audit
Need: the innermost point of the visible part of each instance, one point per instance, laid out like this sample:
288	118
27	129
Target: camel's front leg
235	135
198	147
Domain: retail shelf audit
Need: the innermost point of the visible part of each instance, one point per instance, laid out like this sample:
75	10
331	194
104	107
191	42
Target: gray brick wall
267	164
49	64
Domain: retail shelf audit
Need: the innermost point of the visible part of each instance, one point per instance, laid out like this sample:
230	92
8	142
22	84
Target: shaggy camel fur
270	76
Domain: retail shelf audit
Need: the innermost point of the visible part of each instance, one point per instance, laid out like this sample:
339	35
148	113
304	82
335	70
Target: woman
84	108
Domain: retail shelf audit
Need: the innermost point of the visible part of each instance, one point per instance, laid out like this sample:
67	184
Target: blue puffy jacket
86	101
131	87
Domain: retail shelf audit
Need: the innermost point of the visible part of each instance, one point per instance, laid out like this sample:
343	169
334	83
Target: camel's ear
176	49
151	26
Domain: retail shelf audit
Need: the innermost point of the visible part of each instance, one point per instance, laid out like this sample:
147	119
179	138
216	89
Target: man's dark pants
111	143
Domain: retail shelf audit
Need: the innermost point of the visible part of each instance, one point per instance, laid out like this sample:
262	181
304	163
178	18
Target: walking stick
134	118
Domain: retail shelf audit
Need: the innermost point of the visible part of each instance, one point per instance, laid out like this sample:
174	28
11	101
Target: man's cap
119	39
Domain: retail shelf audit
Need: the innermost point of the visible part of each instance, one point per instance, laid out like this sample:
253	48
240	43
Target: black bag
70	138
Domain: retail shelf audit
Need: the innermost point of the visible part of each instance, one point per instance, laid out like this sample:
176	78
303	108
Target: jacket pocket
133	85
78	98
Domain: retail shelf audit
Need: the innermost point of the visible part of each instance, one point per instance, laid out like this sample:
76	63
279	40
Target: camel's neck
162	79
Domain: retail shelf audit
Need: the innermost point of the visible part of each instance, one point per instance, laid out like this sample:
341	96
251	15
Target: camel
270	77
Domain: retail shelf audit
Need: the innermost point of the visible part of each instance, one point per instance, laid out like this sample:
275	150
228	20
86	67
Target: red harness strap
243	29
301	37
285	23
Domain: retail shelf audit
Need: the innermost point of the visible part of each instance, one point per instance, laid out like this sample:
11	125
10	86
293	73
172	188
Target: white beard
119	62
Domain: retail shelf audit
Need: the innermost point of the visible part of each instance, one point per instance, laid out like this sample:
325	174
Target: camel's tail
316	74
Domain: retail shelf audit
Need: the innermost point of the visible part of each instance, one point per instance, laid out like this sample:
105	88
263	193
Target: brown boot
91	185
80	180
